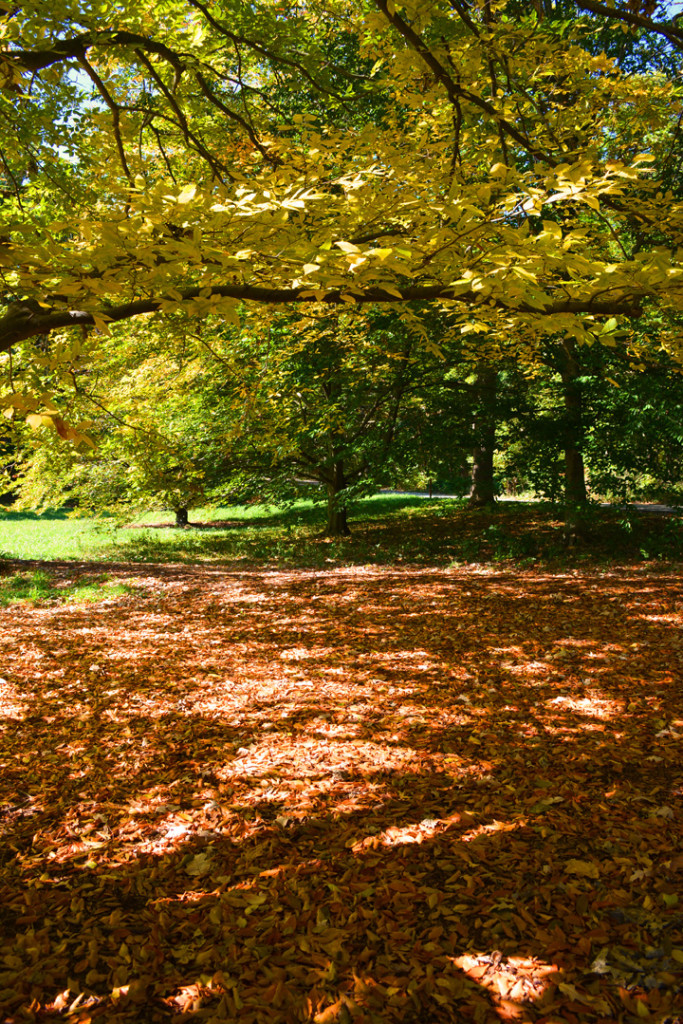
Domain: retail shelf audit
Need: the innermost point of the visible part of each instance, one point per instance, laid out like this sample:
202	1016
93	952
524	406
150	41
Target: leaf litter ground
368	795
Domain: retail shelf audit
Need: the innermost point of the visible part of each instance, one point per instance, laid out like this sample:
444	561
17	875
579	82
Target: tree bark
484	427
337	525
575	492
181	517
24	322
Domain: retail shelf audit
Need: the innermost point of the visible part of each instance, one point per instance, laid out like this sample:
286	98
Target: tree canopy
491	156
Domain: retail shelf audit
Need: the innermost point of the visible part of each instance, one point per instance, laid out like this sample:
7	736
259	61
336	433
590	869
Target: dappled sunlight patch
416	832
592	707
529	668
11	703
335	833
513	981
491	827
296	654
674	619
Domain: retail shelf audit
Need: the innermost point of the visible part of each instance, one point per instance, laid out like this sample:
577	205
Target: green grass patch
40	587
386	529
254	533
49	536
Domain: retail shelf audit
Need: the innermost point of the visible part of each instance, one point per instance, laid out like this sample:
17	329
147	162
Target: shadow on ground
360	795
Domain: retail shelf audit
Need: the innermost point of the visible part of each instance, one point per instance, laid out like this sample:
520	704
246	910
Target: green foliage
387	529
158	419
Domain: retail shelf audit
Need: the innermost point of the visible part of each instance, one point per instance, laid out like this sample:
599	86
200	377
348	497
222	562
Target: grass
39	587
387	529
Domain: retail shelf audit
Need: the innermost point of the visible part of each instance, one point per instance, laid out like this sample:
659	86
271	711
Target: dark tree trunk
574	473
181	517
484	426
337	525
575	478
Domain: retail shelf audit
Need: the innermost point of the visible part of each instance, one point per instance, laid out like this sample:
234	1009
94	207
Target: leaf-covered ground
361	795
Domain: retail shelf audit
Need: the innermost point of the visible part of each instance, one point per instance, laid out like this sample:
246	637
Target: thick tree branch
69	49
29	320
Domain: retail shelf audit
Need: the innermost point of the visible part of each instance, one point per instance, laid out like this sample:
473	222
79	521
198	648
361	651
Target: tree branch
455	91
115	112
29	320
212	98
670	32
192	141
68	49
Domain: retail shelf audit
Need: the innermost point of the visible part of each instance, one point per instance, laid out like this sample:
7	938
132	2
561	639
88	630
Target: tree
157	414
316	399
521	190
627	432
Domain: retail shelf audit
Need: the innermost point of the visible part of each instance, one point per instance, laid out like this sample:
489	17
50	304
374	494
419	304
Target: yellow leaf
35	420
187	194
584	868
100	322
551	228
198	866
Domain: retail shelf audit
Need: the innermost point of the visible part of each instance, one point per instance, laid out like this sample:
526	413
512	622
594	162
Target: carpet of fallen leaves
362	795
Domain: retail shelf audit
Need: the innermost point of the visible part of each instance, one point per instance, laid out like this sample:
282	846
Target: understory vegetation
387	529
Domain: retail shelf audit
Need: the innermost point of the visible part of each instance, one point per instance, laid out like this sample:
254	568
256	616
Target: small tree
316	398
157	425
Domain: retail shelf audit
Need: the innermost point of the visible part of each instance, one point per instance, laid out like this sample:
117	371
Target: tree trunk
574	473
337	525
484	428
181	517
